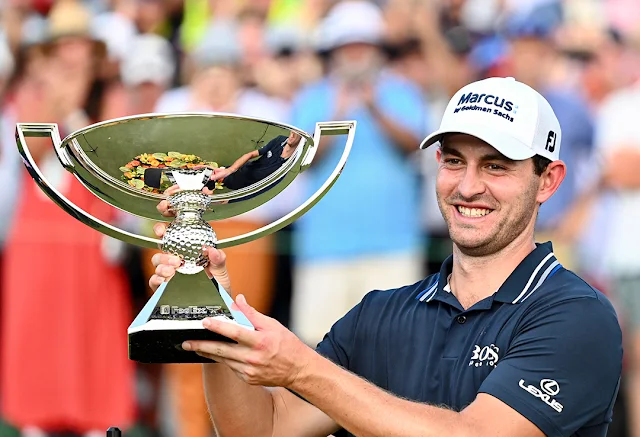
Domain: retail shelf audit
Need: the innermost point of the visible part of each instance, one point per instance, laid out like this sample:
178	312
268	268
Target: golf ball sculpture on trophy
134	163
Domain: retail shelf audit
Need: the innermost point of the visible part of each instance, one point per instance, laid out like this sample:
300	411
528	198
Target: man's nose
471	183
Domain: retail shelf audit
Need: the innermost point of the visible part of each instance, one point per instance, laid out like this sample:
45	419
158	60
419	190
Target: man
244	172
215	84
146	72
502	342
534	58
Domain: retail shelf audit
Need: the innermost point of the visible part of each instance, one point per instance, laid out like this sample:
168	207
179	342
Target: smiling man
503	341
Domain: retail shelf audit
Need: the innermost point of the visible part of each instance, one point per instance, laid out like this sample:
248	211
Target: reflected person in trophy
256	165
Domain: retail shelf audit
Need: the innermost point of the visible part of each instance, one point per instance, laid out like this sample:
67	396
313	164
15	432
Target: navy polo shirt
546	343
268	162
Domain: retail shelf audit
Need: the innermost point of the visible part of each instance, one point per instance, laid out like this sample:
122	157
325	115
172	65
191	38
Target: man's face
143	97
74	52
529	58
294	139
357	62
486	199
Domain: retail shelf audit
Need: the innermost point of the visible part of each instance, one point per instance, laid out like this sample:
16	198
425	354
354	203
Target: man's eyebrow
497	157
450	151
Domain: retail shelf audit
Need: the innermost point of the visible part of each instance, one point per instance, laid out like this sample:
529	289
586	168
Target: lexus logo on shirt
550	386
548	389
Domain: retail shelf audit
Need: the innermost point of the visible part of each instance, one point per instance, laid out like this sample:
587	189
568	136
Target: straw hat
70	18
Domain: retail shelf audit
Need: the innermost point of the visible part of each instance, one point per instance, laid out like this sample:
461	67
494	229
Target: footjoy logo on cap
487	103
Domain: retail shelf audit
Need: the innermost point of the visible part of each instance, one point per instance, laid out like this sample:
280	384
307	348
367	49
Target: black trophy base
165	346
173	315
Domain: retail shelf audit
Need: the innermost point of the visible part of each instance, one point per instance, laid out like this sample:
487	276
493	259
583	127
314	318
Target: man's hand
164	208
368	96
220	173
166	264
269	356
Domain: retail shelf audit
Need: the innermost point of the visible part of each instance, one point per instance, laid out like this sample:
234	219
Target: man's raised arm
237	408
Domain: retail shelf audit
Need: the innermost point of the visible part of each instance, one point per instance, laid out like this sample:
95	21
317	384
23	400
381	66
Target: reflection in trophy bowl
189	234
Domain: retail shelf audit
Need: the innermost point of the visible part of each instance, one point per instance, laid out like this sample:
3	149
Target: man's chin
475	247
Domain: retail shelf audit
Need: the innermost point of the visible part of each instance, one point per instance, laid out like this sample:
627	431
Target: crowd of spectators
67	293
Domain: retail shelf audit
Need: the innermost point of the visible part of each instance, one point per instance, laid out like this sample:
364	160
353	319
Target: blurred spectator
604	59
365	232
147	70
450	62
87	383
217	86
532	59
214	82
288	65
616	203
9	160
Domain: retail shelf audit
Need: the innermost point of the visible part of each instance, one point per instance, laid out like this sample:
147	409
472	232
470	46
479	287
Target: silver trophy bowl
134	163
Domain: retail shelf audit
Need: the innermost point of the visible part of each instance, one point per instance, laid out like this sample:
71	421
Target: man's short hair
540	164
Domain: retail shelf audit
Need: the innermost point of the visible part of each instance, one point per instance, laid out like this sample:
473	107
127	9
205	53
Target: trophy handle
327	128
26	130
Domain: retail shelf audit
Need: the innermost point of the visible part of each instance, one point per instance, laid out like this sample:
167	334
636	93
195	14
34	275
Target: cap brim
99	47
505	144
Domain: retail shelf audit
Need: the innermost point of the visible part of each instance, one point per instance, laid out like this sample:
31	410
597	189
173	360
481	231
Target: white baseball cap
149	59
348	22
508	115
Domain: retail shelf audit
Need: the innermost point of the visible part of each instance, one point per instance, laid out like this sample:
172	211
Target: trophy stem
189	234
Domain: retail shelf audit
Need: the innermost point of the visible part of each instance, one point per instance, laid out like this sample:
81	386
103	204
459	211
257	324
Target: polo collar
527	277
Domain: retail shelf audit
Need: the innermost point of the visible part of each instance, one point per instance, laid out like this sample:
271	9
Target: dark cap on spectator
284	40
541	22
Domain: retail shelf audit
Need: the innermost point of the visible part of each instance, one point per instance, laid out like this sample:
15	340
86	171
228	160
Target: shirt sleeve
563	367
337	344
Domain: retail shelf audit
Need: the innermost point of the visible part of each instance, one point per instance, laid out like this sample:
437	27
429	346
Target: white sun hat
510	116
349	22
149	59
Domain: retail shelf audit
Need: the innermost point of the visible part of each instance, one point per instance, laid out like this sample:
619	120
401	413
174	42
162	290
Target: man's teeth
473	212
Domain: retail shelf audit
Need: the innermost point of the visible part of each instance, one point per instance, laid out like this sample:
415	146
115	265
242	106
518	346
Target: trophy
130	162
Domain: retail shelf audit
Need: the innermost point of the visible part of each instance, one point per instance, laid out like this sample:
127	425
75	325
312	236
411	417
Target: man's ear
551	179
438	154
